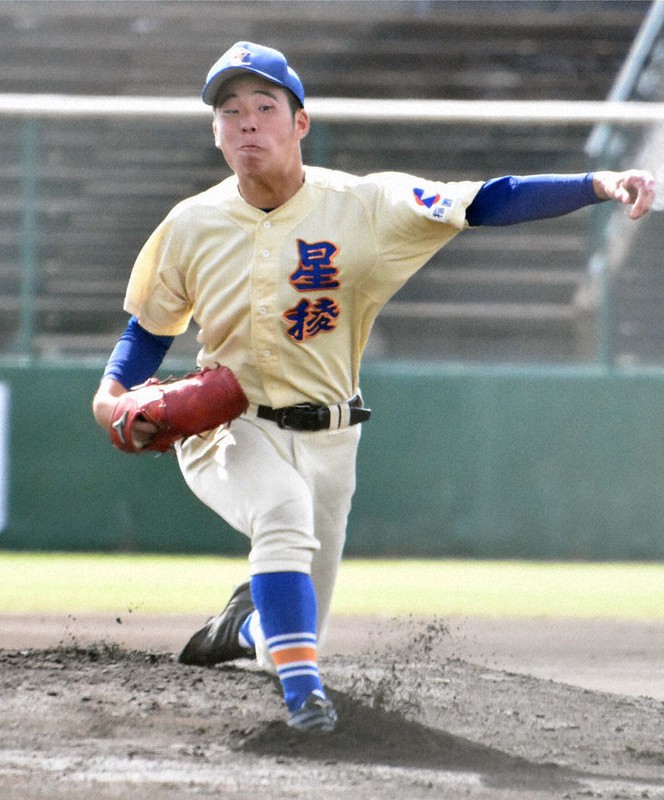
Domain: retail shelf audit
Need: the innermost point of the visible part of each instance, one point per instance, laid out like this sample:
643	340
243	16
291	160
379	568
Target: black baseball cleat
218	640
315	714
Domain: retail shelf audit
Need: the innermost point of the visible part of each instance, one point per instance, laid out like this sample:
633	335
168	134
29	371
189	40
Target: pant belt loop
335	416
341	416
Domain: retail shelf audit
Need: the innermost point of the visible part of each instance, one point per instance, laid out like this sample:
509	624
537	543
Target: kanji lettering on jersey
439	213
315	269
311	318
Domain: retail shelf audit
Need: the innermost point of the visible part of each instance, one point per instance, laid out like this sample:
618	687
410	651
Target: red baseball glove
181	407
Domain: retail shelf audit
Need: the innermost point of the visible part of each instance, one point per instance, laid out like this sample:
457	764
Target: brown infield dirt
99	707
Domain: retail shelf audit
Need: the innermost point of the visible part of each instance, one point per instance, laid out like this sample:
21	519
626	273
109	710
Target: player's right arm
135	358
105	399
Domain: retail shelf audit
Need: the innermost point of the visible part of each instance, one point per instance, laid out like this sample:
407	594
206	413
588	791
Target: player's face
255	129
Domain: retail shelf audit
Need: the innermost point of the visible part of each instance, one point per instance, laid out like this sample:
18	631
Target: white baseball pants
288	491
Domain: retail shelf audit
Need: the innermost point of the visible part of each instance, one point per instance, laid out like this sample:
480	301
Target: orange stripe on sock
290	654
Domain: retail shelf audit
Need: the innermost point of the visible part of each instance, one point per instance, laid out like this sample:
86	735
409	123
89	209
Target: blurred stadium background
532	356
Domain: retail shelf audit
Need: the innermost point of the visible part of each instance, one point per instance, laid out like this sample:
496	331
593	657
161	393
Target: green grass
80	583
504	589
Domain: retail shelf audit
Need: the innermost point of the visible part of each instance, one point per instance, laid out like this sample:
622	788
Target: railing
36	110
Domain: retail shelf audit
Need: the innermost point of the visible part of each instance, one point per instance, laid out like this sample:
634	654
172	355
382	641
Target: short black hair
293	102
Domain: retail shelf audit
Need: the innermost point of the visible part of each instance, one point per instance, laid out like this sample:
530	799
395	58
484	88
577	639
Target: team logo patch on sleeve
421	200
435	206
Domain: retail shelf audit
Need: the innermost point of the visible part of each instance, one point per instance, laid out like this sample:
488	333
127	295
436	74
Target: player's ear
215	131
302	123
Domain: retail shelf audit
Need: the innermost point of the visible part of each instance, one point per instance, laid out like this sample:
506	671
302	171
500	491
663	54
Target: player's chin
243	161
251	161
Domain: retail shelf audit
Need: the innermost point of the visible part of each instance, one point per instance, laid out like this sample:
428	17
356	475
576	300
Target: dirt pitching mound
103	721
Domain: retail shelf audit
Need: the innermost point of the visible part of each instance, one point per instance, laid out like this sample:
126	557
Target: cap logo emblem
239	57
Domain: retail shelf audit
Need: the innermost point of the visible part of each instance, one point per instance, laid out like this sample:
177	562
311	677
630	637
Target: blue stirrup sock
288	609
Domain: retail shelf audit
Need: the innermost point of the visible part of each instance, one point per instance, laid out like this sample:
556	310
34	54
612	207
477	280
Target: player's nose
248	122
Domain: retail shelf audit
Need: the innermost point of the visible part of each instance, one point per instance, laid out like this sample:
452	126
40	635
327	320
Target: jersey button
266	253
267	224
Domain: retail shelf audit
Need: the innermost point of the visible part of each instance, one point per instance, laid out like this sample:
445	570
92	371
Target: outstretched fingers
635	188
641	188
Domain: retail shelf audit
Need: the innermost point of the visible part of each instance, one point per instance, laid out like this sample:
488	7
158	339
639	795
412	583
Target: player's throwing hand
635	188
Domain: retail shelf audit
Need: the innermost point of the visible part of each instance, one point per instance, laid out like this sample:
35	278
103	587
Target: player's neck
270	194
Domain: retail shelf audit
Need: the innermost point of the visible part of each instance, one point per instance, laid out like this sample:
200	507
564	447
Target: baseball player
284	268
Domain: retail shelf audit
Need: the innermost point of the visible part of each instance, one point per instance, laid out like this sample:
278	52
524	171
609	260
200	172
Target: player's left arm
513	199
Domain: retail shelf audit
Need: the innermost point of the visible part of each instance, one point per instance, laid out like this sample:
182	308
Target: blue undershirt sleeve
513	198
137	355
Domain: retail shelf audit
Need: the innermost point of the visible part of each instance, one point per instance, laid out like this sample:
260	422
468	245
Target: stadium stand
637	278
102	185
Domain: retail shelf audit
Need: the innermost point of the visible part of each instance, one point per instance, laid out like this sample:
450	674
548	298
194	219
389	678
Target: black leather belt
312	417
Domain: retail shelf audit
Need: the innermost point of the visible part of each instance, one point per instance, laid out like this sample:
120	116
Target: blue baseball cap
264	61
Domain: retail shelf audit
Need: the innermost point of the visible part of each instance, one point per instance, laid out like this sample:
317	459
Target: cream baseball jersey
287	298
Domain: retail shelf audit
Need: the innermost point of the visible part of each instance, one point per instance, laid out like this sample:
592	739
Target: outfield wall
477	462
